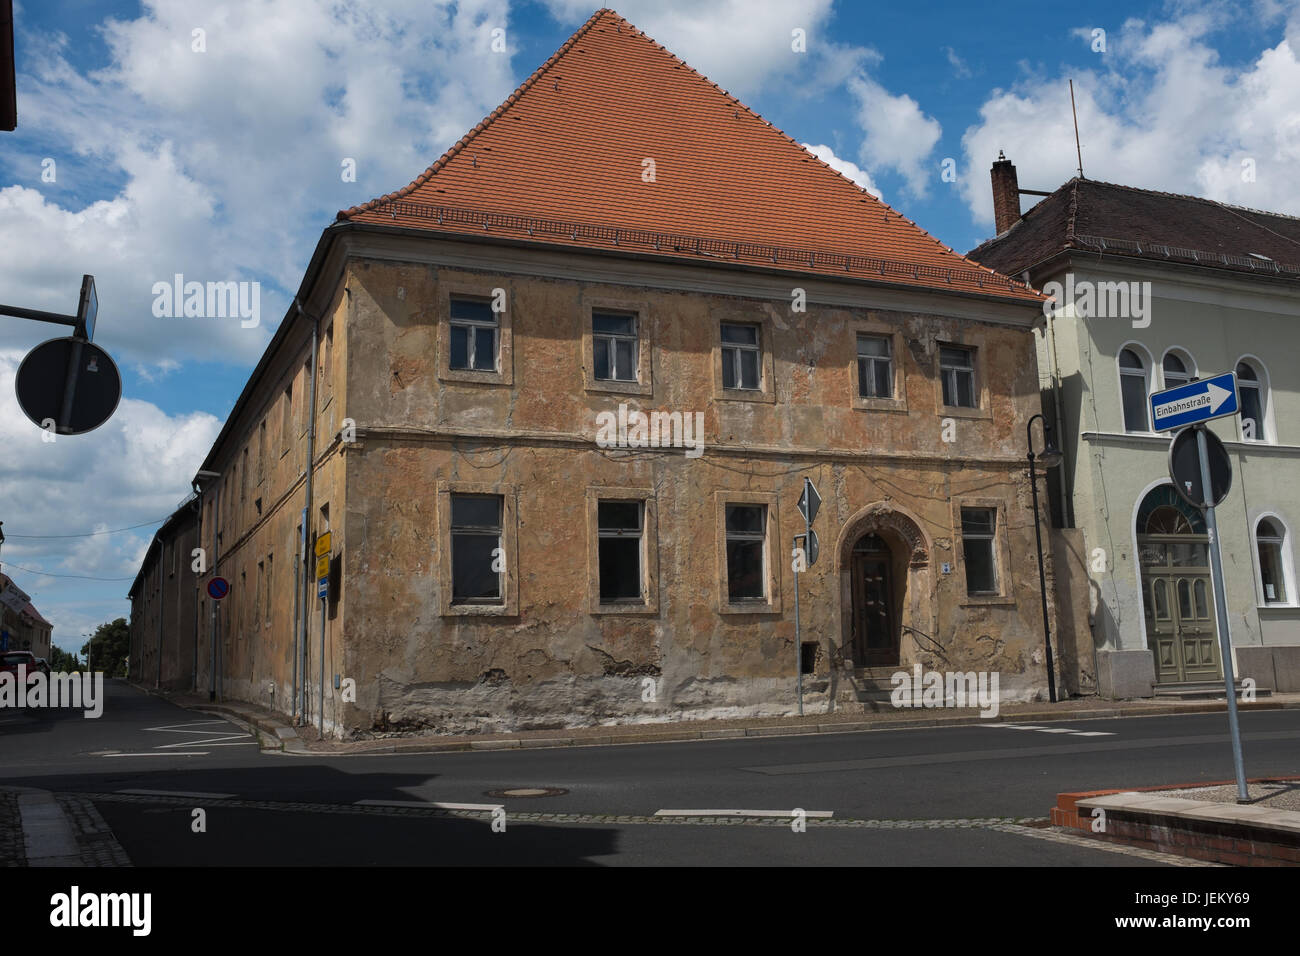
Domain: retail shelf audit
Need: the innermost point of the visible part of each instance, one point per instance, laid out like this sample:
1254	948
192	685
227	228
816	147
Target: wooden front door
1178	602
875	618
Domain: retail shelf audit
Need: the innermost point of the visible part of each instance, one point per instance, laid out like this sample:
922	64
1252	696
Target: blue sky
224	164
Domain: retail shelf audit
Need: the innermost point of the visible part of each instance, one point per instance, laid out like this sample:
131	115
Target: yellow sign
323	543
323	566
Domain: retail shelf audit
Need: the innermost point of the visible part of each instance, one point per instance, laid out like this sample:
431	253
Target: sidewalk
276	732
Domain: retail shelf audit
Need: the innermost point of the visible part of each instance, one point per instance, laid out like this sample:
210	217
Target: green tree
112	644
61	661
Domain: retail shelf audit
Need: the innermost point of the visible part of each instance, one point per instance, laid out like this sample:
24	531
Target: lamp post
1050	457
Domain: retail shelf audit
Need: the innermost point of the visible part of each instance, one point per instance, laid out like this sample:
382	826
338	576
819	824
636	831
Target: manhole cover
526	792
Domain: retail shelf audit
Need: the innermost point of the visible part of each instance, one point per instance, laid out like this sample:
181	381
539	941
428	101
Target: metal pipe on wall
305	582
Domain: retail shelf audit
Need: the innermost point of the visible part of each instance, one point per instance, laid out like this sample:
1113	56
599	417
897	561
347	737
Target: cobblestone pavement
95	840
1028	827
12	849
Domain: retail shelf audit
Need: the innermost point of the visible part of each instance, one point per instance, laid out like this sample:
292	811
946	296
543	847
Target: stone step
1202	690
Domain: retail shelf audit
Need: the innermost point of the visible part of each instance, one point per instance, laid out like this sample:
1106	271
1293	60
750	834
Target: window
1176	371
740	356
1250	393
875	367
286	419
1269	538
243	476
257	596
957	373
978	533
473	335
620	524
261	451
475	549
614	346
327	361
746	540
270	585
1133	390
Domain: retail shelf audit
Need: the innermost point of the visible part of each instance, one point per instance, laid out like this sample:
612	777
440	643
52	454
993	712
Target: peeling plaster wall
529	435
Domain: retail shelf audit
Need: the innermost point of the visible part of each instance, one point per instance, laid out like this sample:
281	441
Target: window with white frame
979	551
746	547
957	373
875	366
1251	399
614	346
619	527
473	335
1270	539
1133	390
741	357
1177	370
476	568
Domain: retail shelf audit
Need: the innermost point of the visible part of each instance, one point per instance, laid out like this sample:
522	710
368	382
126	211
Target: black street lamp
1050	457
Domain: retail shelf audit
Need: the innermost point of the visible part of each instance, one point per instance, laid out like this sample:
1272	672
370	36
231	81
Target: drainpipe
305	582
162	590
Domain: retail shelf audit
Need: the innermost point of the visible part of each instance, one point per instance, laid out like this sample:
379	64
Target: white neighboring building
1167	288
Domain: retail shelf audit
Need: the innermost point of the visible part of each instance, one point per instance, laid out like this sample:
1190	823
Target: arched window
1270	538
1253	401
1133	390
1178	371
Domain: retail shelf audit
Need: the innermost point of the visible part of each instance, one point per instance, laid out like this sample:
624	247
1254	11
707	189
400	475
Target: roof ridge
482	124
1204	199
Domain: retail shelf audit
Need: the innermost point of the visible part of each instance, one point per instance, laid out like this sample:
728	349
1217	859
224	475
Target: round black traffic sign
69	372
218	588
1185	467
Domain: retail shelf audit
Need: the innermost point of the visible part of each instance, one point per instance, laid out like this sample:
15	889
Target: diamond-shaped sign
809	502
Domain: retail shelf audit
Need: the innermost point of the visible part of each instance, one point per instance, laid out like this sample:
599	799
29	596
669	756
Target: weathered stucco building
1154	290
512	545
164	624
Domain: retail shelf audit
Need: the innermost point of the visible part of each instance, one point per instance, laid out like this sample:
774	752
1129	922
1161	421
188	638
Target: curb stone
275	734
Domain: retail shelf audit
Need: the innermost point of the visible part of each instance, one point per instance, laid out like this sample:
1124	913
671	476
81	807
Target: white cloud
1158	110
742	45
226	164
959	67
844	167
135	468
897	135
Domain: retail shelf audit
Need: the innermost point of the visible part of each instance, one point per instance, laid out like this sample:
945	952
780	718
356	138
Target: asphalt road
930	796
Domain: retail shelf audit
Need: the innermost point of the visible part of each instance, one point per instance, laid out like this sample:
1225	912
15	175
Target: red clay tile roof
561	161
1125	221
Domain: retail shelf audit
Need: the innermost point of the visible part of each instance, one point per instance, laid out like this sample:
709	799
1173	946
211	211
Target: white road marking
429	804
824	814
1058	730
179	793
166	753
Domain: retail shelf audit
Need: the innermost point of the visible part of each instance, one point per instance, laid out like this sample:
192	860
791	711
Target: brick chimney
1006	194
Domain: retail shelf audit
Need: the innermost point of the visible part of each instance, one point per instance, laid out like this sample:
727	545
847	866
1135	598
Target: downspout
162	591
305	582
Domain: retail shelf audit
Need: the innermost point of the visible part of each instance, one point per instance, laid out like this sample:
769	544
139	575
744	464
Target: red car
12	660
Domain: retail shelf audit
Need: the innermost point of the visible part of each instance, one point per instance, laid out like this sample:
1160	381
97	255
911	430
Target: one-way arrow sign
1195	402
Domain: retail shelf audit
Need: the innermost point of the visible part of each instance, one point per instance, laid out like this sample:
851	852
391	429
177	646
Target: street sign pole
1221	617
798	642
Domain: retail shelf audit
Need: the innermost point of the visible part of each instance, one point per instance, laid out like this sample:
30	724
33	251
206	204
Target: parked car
11	661
44	665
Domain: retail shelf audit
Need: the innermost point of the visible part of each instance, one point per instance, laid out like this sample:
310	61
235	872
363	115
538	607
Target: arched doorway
1177	595
886	594
876	605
